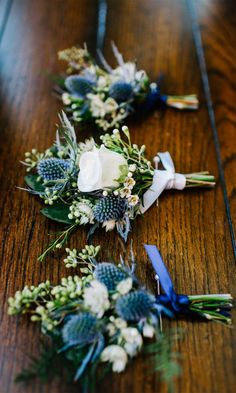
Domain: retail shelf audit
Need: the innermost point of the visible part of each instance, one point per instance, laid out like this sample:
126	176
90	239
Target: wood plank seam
207	91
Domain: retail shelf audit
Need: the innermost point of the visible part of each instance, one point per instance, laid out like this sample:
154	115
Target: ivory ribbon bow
162	180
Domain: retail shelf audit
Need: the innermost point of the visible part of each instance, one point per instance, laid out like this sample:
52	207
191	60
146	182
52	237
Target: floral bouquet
106	96
106	317
104	185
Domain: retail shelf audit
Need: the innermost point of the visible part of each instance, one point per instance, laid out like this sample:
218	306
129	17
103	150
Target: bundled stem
212	307
200	179
183	102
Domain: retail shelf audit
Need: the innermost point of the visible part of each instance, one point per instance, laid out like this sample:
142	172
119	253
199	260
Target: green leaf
33	183
58	212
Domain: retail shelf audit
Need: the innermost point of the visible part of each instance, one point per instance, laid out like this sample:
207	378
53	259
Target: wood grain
190	228
215	17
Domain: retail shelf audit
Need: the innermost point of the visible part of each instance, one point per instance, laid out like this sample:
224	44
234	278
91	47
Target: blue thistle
110	207
135	305
80	329
51	169
121	91
79	85
109	275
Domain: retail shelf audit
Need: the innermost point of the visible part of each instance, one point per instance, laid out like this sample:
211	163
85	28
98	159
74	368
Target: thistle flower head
134	306
79	85
80	329
120	91
109	208
53	168
109	275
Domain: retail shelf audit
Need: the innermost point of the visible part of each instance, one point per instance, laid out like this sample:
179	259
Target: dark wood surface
190	228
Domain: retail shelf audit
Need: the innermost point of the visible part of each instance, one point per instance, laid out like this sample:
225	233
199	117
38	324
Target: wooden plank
36	30
190	229
217	24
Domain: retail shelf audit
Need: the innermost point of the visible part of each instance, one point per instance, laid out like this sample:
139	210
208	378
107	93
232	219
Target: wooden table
194	230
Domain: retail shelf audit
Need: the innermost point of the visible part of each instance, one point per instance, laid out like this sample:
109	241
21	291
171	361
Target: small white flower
140	75
133	200
124	286
115	296
125	192
109	225
96	298
131	349
66	99
127	72
116	355
81	211
115	131
132	336
87	145
133	340
120	323
110	327
132	167
148	330
100	108
102	82
153	85
129	182
97	105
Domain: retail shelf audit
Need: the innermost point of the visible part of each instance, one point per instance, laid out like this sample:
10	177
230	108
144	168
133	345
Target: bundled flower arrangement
104	185
106	317
106	96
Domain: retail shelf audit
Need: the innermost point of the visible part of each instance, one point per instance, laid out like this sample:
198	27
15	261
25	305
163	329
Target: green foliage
45	367
33	182
163	359
57	212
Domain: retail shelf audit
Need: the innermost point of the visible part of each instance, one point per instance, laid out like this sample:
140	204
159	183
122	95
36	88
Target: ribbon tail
160	269
179	303
160	180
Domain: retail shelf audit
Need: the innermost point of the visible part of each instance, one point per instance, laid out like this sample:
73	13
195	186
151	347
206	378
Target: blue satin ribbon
178	303
154	99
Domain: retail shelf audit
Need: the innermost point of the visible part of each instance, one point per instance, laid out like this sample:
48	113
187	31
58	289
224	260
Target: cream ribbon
162	180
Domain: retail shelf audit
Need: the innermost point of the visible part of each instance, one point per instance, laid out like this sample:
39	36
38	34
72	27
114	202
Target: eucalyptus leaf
33	183
57	212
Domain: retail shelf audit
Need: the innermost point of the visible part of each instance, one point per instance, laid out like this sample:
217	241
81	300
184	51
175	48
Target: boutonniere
107	317
101	185
105	96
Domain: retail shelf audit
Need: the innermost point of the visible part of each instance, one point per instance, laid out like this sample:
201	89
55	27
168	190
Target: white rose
116	355
99	169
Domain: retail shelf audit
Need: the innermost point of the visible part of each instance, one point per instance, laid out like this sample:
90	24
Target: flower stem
212	307
200	179
58	243
183	102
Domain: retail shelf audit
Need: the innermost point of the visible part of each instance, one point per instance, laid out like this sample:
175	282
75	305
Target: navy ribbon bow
178	303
